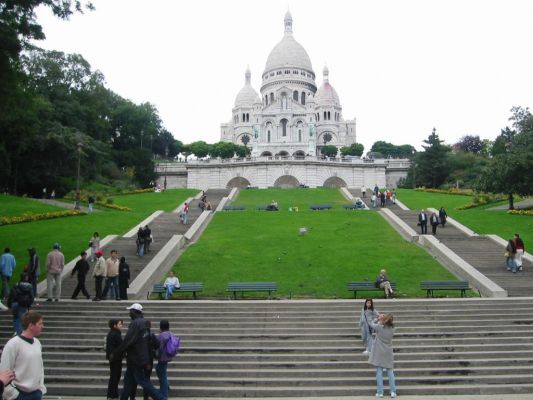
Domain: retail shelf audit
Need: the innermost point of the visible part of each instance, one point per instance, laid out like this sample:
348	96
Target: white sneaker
392	394
365	352
379	394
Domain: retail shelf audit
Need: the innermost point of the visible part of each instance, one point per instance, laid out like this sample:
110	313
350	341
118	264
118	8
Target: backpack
172	346
24	294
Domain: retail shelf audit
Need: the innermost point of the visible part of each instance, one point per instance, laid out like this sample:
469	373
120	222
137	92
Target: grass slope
11	206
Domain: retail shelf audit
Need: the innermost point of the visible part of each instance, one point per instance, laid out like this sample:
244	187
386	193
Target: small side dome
326	94
247	96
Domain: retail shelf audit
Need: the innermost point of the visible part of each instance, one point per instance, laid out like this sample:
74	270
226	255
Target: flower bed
520	212
39	217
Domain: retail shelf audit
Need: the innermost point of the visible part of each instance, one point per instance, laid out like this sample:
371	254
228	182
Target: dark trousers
35	395
115	370
137	376
123	289
434	228
424	227
98	285
81	287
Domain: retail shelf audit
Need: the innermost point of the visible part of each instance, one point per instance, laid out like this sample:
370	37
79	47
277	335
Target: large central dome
288	52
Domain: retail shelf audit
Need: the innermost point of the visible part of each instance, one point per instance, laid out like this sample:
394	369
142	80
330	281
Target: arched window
272	97
299	135
268	136
247	117
329	115
325	115
284	127
266	100
243	117
303	98
295	95
317	117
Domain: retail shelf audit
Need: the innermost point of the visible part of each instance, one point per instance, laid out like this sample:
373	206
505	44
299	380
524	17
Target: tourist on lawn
111	273
94	244
55	261
147	233
23	355
123	278
7	265
99	274
423	222
443	216
82	269
140	242
171	284
368	314
520	250
510	254
382	355
20	300
383	282
33	269
112	343
91	202
434	221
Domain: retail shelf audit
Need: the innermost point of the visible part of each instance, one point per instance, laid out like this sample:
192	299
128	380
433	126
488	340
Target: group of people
384	197
140	347
143	241
115	272
377	332
204	204
513	254
435	219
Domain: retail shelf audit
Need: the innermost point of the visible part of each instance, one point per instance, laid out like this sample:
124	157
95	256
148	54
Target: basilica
291	117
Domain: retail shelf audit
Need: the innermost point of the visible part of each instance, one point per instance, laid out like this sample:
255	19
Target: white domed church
291	117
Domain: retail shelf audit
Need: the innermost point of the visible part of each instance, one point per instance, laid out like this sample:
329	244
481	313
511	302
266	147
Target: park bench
430	286
366	287
234	208
251	287
262	207
318	207
186	287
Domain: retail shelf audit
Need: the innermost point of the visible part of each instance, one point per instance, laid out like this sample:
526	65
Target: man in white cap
136	344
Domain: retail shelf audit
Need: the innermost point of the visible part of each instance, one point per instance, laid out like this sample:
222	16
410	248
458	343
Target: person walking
23	355
112	343
140	242
382	355
99	274
442	216
20	300
91	202
136	346
82	269
423	222
34	270
368	314
383	282
123	278
165	336
382	198
185	214
55	261
94	244
147	233
520	250
510	253
7	265
363	191
434	221
374	200
111	273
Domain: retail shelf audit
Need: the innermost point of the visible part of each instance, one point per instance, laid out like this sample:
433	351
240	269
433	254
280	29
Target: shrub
39	217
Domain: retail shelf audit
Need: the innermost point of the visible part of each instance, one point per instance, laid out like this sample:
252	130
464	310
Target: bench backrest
366	285
236	286
444	285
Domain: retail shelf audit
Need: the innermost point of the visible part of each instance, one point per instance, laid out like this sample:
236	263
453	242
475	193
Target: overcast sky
400	67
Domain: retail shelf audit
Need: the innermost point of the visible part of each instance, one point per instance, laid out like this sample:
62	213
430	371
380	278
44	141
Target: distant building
291	117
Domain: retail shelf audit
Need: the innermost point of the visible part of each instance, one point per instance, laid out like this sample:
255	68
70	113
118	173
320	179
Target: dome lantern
288	23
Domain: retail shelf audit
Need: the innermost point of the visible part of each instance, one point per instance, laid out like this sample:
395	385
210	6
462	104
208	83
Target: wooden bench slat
430	286
366	287
185	287
251	287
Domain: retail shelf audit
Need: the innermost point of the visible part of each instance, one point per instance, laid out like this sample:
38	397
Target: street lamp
414	168
166	165
77	205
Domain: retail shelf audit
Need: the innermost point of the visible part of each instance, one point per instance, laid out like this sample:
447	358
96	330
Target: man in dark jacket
82	268
20	300
136	345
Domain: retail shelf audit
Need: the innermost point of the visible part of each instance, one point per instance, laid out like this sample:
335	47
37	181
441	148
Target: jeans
161	370
170	289
135	376
35	395
511	264
379	380
111	282
5	286
53	284
18	312
424	227
140	249
185	218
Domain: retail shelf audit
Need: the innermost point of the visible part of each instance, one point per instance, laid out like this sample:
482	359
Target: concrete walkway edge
401	227
133	231
503	242
457	224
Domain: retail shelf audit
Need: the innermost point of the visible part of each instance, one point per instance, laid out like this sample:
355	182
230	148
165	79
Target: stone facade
292	117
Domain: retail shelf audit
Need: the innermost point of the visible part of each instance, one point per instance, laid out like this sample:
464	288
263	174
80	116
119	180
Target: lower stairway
300	348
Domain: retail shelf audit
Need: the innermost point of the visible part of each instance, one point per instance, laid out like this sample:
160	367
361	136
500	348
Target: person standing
34	269
368	314
374	200
376	190
363	190
423	222
442	216
94	244
91	202
382	355
185	214
520	250
99	274
123	278
382	198
112	343
171	284
53	194
7	265
162	365
23	355
82	269
55	261
147	233
434	221
136	346
510	252
111	281
140	242
20	300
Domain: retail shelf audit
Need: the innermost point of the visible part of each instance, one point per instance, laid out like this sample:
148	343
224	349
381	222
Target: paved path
527	203
64	204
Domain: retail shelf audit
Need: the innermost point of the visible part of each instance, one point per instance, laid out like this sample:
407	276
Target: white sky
400	67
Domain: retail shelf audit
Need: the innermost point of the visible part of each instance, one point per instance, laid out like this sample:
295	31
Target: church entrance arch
286	181
238	182
335	182
299	154
266	154
282	153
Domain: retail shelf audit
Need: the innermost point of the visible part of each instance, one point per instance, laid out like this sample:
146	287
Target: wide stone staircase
163	227
301	348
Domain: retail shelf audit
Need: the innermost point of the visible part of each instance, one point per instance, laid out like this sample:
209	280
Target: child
113	341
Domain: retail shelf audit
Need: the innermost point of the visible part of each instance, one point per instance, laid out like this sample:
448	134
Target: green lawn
73	233
340	246
11	206
479	219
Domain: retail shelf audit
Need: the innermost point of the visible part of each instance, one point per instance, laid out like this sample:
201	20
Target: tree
242	151
382	149
329	150
200	148
432	167
223	150
470	144
511	171
355	149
